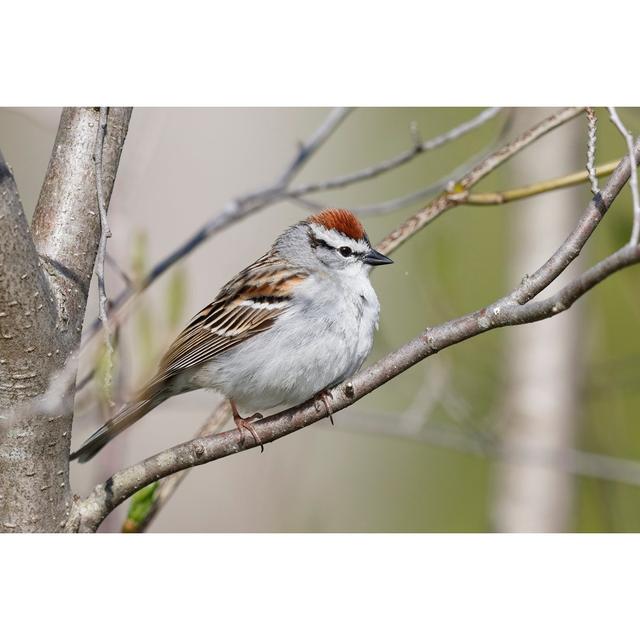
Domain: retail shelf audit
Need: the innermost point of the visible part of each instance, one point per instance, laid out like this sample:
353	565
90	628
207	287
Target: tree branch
515	308
633	183
571	247
592	123
445	202
320	136
105	234
67	214
422	194
393	163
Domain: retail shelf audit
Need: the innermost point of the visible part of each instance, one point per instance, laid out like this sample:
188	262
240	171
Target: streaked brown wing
245	306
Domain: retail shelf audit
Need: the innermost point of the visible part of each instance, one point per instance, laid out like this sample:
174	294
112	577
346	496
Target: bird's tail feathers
148	399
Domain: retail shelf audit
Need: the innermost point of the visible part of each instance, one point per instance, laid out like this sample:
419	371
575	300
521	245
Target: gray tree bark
44	284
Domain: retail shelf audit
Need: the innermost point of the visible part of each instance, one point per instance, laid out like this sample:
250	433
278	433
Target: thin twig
417	149
546	186
306	151
592	123
633	183
105	234
388	206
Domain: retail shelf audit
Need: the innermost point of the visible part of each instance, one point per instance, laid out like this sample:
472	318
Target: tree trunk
44	284
541	402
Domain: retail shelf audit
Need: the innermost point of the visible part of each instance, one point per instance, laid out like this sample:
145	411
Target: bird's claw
322	397
245	423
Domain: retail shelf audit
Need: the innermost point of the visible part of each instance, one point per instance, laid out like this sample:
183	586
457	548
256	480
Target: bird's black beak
375	258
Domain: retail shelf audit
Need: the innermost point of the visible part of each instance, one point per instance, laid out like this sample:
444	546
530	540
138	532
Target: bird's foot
245	423
324	397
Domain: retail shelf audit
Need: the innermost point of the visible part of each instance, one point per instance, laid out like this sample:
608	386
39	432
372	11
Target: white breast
321	340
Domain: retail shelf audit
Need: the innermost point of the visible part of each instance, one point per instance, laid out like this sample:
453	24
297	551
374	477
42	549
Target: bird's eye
345	252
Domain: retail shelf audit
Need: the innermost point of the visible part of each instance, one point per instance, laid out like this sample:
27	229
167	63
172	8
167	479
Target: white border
319	53
320	586
329	53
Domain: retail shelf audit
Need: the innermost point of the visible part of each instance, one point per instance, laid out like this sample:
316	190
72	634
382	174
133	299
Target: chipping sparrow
296	322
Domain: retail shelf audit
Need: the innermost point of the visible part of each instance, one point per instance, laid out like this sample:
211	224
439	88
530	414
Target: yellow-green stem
501	197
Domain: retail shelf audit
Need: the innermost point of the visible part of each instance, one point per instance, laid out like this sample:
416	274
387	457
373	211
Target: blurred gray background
426	452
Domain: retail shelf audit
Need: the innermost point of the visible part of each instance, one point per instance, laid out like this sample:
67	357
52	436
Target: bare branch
445	202
571	247
633	183
592	122
417	149
382	208
306	151
66	215
510	310
105	233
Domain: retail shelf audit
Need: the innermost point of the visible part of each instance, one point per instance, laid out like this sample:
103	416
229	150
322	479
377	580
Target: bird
286	329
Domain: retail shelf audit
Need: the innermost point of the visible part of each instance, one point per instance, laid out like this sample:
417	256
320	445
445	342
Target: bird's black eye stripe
344	251
315	242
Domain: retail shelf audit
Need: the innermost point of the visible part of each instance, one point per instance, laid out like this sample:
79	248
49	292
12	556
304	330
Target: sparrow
286	329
